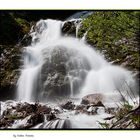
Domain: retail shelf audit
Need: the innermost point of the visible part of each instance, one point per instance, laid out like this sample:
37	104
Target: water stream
86	70
58	67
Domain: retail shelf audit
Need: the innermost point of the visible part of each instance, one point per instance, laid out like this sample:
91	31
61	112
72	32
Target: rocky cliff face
10	62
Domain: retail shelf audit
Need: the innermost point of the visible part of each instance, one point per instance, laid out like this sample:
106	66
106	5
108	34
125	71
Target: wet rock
21	114
44	109
91	109
51	116
26	41
34	112
93	99
109	118
68	105
28	108
111	110
5	122
6	112
32	108
86	109
36	119
59	66
69	28
58	110
81	109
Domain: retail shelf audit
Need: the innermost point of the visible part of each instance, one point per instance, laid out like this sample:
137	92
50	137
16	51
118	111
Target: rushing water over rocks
34	115
23	115
58	68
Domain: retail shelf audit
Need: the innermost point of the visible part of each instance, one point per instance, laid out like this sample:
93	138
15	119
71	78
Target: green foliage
114	31
110	26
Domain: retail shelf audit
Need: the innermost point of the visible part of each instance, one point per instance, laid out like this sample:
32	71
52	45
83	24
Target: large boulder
94	99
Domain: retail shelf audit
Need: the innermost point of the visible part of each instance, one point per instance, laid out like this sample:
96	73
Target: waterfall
56	65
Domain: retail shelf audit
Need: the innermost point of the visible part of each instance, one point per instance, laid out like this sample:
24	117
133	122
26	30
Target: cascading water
58	67
81	67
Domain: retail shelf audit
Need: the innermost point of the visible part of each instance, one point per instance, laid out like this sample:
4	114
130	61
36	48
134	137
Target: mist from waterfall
91	73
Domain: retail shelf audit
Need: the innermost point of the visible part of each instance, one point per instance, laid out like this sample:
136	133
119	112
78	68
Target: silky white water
91	73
